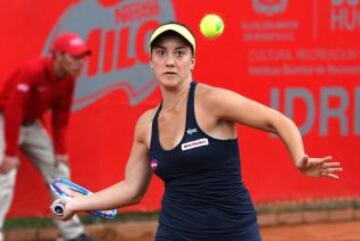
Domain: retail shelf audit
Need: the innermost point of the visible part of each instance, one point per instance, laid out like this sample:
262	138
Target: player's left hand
320	167
64	159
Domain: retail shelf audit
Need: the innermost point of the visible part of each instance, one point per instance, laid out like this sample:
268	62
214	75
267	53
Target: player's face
172	61
72	65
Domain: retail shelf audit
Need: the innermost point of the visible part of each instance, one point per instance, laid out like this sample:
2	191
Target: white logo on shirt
191	131
23	87
194	144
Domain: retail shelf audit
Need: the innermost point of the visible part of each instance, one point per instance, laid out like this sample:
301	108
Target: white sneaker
81	237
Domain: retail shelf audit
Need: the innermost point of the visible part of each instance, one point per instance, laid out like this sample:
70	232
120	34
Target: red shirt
29	92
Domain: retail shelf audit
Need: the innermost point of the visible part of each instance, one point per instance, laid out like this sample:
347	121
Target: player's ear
150	62
193	63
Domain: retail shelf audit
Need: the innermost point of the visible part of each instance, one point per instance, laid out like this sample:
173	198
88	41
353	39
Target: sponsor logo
154	164
345	15
268	29
191	131
194	144
22	87
269	7
117	33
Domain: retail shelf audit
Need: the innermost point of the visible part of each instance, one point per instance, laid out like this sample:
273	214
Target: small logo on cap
76	42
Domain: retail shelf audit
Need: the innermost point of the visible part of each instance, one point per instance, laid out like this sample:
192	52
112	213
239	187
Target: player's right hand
66	203
8	163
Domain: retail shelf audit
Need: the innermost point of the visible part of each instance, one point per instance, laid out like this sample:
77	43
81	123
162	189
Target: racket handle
58	209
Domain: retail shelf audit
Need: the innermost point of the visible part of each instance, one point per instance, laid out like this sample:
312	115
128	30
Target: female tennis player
190	142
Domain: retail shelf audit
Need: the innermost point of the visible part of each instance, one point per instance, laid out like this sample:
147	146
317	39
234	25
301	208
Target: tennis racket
65	188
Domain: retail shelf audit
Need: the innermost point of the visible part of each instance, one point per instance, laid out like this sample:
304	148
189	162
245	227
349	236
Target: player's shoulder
206	89
148	115
208	94
143	125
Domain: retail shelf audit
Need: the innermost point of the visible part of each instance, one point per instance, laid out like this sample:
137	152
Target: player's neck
172	100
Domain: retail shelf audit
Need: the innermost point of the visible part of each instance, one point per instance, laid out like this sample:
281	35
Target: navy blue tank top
204	194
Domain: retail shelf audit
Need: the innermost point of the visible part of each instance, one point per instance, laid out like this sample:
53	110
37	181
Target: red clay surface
144	231
342	231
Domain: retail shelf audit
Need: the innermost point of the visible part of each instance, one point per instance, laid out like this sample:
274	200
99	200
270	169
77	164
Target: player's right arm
129	191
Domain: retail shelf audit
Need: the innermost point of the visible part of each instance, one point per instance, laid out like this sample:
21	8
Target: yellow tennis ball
211	26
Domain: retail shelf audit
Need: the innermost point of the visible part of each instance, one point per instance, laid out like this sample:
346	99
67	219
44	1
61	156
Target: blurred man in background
35	87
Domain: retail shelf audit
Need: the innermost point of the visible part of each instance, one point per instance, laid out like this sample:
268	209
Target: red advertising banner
300	57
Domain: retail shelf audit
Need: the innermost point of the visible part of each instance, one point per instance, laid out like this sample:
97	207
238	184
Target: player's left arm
230	106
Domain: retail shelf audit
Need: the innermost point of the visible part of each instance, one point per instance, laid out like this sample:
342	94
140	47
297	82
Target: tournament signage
311	71
118	34
299	57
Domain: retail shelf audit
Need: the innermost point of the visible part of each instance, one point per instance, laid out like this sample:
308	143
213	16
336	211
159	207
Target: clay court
340	225
344	231
335	231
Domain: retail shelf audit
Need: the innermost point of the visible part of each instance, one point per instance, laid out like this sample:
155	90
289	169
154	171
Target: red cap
71	43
